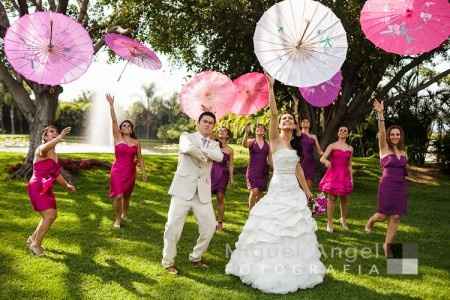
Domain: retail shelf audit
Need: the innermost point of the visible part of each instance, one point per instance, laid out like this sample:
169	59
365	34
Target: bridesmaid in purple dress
123	171
338	179
46	170
222	174
258	167
392	190
309	143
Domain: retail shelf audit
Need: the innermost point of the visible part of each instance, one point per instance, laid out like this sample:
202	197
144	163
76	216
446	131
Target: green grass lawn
85	258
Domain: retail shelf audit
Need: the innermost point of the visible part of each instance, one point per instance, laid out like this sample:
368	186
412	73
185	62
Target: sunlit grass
87	259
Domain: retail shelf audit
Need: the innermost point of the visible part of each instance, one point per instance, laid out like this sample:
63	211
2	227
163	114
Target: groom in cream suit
191	190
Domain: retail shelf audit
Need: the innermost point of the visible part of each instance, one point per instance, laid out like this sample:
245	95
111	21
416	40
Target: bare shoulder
230	150
37	152
331	146
135	142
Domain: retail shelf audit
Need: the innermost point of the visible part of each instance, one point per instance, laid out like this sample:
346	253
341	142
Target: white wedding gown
277	251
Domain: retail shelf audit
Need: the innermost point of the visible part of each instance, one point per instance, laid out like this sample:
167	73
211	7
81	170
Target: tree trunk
46	103
11	118
2	124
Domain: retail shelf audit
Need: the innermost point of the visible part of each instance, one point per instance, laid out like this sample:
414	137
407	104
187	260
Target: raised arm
44	148
273	129
324	159
115	125
298	130
301	179
379	108
245	140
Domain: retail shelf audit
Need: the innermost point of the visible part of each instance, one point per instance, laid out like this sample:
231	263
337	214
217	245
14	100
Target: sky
101	77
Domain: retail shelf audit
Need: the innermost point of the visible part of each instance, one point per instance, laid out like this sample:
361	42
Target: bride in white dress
277	251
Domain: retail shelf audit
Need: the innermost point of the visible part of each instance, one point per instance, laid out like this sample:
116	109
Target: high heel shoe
116	225
330	228
344	225
36	250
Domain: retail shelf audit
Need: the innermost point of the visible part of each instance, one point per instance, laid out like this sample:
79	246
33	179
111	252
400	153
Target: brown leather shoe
200	264
172	270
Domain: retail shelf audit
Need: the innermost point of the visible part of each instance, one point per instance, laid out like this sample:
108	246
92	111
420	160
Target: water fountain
99	132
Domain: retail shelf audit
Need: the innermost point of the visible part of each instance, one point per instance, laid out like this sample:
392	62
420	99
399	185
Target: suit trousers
176	217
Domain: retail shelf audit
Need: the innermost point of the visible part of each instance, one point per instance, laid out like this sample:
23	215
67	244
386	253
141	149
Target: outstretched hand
110	99
71	188
206	108
64	132
296	100
378	106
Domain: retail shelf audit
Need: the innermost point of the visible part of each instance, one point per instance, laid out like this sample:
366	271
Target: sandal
219	226
36	250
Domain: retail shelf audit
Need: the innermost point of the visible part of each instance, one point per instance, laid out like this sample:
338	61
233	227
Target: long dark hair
229	133
132	134
401	144
295	141
297	145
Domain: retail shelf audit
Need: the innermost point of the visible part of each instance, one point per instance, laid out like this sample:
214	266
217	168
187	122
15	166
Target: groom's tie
204	142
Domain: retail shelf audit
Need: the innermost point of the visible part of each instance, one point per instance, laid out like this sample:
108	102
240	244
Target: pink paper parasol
211	89
252	93
406	27
133	51
323	94
48	48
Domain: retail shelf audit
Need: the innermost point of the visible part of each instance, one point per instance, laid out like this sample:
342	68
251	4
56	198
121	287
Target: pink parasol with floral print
211	89
252	93
406	27
48	48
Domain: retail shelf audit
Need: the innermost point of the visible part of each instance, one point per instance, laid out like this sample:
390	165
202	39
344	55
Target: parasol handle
123	70
303	35
50	46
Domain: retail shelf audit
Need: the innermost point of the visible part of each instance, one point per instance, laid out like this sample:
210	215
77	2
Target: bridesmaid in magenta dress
258	167
222	174
338	179
127	153
392	190
46	170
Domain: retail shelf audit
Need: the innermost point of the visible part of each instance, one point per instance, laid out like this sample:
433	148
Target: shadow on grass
82	264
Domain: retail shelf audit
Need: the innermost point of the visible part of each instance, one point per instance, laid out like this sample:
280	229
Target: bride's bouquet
319	204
